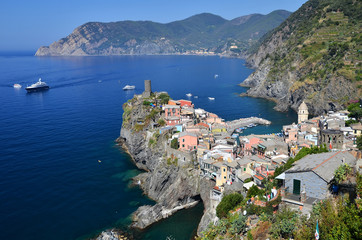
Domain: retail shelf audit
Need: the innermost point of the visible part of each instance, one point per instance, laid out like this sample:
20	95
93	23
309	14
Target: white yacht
129	87
38	86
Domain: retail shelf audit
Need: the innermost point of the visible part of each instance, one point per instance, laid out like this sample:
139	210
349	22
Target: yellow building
223	177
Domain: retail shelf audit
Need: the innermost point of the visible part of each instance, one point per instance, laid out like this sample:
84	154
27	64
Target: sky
29	24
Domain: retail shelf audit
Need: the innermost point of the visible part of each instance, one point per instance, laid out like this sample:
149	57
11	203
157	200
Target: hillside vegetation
315	55
203	32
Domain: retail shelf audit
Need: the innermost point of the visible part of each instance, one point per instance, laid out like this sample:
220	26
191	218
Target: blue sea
61	174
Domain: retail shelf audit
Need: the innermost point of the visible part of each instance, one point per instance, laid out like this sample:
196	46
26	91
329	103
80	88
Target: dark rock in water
114	234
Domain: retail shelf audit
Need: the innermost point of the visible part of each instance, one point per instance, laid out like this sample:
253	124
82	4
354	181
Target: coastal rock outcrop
174	185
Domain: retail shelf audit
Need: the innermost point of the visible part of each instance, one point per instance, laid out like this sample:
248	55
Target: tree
164	98
228	203
359	142
355	111
341	173
174	143
253	191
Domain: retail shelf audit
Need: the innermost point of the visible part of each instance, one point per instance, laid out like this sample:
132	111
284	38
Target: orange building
185	103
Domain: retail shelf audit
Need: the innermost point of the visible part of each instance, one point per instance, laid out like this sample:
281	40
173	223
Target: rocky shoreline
173	186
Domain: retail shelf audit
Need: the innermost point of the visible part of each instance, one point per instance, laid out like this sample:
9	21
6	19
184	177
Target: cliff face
172	185
203	31
313	56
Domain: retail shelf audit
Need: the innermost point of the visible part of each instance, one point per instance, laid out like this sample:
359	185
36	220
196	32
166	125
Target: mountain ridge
201	32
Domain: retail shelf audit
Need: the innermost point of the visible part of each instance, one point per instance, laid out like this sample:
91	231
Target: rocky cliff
172	183
202	32
313	56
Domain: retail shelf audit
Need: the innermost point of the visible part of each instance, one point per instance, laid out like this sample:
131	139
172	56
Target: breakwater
244	122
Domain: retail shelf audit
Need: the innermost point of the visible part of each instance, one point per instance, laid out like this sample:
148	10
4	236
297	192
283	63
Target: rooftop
171	106
323	164
182	134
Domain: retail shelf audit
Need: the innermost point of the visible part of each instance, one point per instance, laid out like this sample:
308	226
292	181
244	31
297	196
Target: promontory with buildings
191	155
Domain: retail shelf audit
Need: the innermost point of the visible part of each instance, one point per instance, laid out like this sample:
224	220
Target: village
236	162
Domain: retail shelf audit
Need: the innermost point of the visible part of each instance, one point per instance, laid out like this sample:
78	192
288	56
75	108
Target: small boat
38	86
216	76
196	96
211	98
189	94
16	85
129	87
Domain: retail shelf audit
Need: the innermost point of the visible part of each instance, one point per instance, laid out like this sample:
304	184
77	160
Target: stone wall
184	158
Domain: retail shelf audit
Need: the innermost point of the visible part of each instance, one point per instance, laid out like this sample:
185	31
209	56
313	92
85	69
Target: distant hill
203	32
314	55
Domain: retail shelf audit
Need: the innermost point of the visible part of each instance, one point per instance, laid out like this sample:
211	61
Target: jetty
244	122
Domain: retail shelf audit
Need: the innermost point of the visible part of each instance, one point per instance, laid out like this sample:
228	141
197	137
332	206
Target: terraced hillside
315	55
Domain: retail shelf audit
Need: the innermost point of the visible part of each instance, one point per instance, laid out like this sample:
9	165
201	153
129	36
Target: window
183	140
183	145
194	147
244	169
224	177
224	169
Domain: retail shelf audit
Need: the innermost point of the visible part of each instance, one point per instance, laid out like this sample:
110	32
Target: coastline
173	186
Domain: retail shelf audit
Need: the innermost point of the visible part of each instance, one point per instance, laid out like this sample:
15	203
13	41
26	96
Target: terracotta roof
258	177
202	124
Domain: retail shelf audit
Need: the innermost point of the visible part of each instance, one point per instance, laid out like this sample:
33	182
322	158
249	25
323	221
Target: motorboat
129	87
38	86
189	94
16	85
211	98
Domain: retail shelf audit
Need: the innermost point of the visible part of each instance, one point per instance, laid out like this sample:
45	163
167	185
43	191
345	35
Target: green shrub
359	142
174	143
228	203
254	191
146	103
164	98
238	225
161	122
138	127
340	174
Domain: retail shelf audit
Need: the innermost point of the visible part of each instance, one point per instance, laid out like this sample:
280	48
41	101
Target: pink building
172	111
188	141
172	114
213	118
247	146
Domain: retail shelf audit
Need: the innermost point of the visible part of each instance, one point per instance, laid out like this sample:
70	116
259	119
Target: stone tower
148	91
302	112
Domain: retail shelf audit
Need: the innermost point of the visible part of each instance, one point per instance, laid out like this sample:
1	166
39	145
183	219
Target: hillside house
172	114
188	141
314	173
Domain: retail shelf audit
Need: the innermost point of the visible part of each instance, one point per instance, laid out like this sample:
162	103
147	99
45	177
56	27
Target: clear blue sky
28	24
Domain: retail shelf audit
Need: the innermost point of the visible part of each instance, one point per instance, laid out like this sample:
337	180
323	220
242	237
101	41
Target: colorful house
188	141
185	103
172	114
213	118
